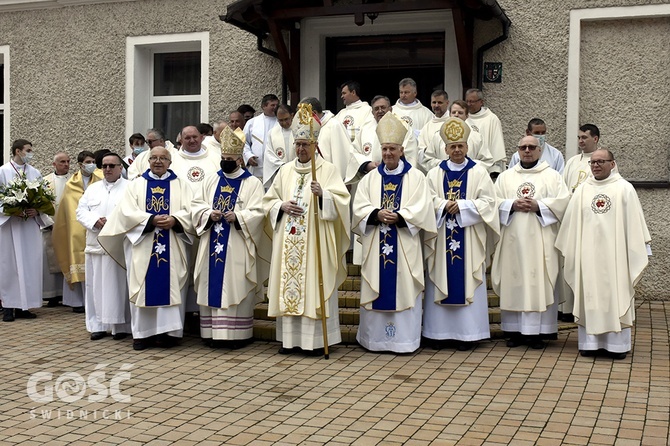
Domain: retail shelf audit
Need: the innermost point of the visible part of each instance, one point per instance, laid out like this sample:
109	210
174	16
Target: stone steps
349	303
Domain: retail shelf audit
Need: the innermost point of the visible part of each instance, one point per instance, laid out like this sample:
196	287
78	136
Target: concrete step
351	316
265	330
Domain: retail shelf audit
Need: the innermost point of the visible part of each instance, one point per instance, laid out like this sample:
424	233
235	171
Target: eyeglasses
110	166
151	141
599	162
527	147
153	159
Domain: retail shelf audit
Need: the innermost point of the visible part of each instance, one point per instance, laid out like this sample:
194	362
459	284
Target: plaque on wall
493	72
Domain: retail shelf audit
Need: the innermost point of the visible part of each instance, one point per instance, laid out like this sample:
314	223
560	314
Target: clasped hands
164	221
217	215
525	205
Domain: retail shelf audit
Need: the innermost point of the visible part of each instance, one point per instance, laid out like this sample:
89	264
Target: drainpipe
506	22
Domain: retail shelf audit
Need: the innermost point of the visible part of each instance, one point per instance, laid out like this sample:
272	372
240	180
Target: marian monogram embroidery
390	330
601	204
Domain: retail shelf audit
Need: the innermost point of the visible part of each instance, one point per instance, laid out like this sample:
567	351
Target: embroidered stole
388	241
294	266
157	282
225	196
455	185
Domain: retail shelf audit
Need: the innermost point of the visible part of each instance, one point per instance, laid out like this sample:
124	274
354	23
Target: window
167	82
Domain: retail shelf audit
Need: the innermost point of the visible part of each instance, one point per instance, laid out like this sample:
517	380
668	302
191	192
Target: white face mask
89	168
28	157
541	138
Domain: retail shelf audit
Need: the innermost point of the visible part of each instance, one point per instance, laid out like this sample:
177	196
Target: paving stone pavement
192	394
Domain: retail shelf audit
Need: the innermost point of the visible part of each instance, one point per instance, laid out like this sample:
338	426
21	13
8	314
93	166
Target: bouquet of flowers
21	194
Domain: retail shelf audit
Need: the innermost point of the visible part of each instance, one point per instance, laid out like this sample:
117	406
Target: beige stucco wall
68	82
68	78
623	89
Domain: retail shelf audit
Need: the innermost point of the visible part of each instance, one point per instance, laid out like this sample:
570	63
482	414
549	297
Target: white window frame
577	16
6	142
140	77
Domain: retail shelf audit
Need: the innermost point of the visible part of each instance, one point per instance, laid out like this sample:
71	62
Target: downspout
269	52
506	22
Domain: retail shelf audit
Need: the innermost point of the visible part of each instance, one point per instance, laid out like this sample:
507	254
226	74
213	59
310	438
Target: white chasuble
525	264
477	219
354	116
279	150
238	252
293	288
416	208
128	222
604	240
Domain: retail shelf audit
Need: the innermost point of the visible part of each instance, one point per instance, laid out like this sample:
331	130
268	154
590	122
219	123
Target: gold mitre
232	143
454	130
306	124
391	130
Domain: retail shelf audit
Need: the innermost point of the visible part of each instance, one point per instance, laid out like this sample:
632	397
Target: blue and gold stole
157	282
225	197
455	185
388	240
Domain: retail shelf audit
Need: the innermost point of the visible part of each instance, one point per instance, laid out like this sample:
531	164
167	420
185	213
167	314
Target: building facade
80	74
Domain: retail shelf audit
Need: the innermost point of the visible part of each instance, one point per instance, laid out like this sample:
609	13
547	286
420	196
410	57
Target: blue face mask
28	157
541	138
139	149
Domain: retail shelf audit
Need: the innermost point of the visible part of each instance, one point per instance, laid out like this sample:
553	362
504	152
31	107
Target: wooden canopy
278	19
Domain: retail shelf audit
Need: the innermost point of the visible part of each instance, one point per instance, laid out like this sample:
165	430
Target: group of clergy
194	230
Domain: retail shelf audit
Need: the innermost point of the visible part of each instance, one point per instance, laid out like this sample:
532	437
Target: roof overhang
255	16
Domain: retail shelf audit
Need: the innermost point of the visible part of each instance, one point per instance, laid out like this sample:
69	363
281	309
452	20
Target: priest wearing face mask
532	199
228	217
69	237
20	243
550	154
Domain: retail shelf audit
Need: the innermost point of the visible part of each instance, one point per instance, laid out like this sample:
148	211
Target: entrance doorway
379	62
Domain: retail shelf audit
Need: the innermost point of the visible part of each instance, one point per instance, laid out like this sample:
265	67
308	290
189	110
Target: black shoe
53	302
24	314
560	315
587	353
617	355
464	346
120	336
287	351
536	342
78	310
315	352
166	341
97	335
8	315
140	344
568	317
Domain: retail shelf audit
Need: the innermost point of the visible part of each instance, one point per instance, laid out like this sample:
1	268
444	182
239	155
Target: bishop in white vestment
293	286
456	301
228	217
391	207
